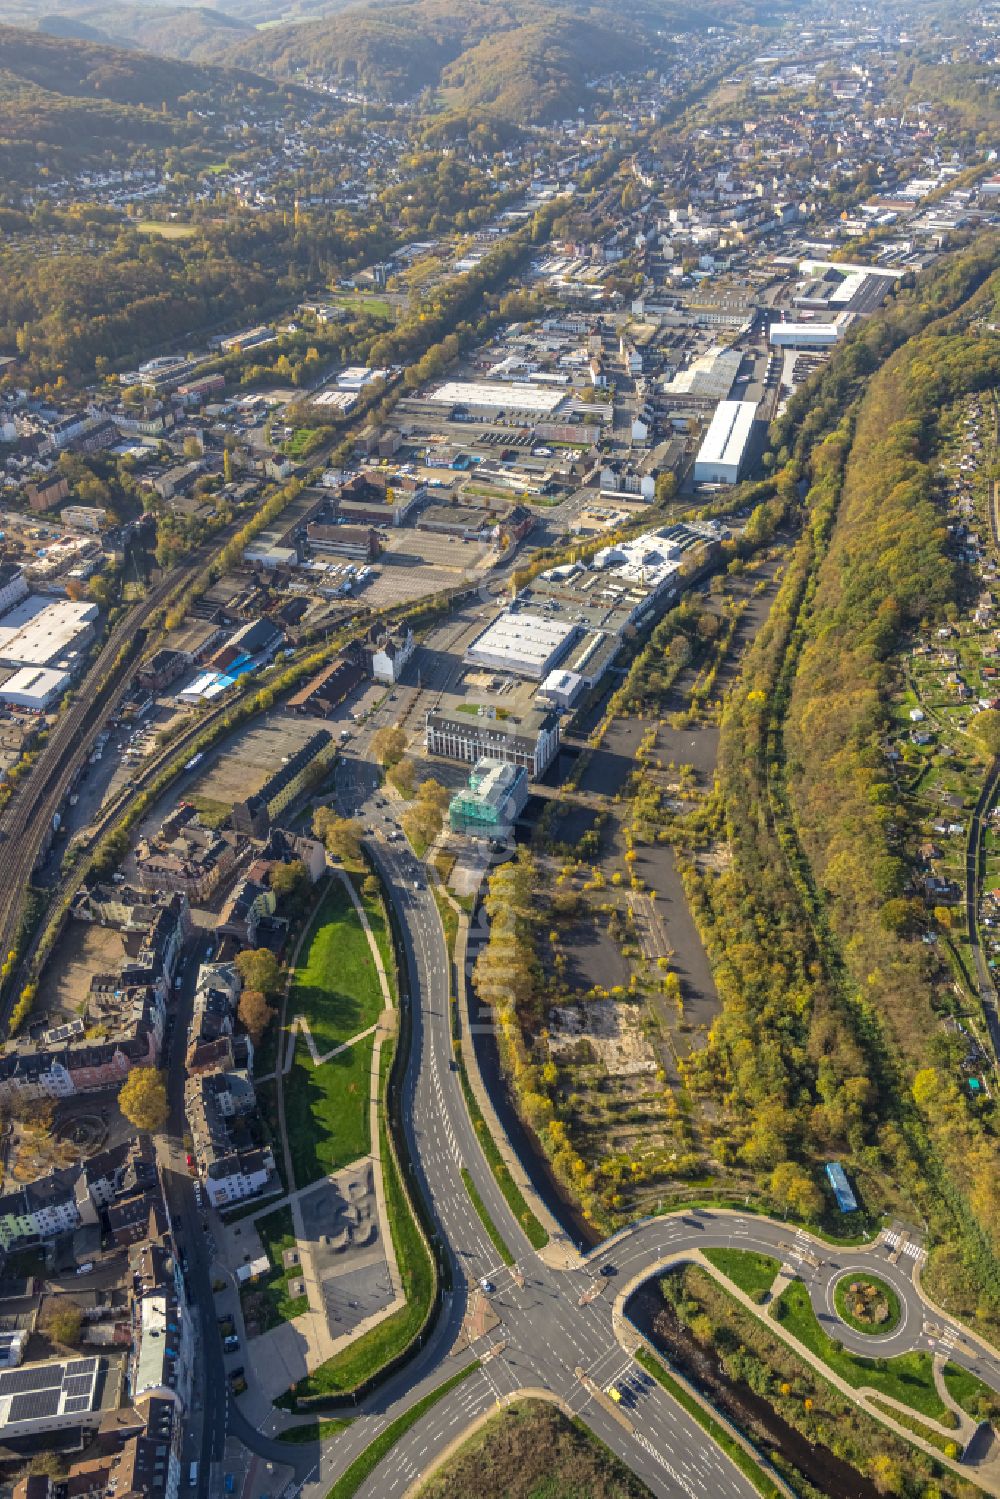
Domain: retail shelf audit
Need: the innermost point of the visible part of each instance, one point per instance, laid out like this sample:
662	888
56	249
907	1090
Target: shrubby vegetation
827	1011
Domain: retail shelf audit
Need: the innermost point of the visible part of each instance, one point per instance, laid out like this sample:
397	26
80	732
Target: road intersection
562	1330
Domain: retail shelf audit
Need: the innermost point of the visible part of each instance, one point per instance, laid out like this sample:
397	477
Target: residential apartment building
257	813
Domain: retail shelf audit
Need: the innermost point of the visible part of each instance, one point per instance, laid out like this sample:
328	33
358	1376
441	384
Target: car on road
189	1159
197	1193
487	1286
608	1269
231	1343
237	1380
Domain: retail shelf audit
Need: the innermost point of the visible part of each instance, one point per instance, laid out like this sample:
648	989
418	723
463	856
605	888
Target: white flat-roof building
724	447
808	335
484	395
34	688
562	688
525	644
40	630
710	375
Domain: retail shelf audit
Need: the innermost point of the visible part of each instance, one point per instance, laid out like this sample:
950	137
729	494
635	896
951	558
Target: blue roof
846	1200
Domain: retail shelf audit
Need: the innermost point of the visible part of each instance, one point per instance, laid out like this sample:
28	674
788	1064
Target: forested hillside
518	58
66	103
889	570
173	31
828	999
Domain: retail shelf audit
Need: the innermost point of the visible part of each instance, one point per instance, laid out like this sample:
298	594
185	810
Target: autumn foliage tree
255	1013
259	969
143	1099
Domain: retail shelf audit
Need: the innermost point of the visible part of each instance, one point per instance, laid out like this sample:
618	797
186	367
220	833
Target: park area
336	992
277	1296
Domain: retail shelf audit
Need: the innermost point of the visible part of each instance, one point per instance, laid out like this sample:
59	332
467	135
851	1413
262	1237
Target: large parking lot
242	768
416	563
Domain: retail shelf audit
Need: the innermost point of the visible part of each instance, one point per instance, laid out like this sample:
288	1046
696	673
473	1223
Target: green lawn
336	984
753	1273
971	1393
326	1110
908	1377
360	302
844	1301
266	1300
947	1445
361	1359
375	912
165	228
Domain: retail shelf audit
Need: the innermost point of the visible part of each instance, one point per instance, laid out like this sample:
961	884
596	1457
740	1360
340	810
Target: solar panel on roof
38	1377
34	1405
85	1366
78	1384
77	1403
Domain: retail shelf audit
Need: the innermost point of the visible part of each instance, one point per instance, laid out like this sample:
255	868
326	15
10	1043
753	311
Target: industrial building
524	644
492	802
42	631
561	689
807	335
710	376
723	451
486	395
531	741
34	688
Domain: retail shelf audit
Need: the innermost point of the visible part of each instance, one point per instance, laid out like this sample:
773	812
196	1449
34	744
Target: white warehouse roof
728	434
496	397
39	630
521	642
806	335
34	687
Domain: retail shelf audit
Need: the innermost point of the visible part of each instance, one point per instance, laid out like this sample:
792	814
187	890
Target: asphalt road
556	1330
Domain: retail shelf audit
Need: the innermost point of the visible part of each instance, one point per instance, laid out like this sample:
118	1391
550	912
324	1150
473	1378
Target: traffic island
867	1304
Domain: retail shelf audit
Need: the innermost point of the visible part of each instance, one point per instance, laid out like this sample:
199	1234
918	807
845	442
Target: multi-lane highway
556	1329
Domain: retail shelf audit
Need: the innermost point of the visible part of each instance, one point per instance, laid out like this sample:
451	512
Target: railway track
27	817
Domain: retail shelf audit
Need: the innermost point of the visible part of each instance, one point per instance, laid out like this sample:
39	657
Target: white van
193	1476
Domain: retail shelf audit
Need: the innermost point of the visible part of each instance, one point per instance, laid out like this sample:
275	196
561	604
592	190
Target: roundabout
868	1304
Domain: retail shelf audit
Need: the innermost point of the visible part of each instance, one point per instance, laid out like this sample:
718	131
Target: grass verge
312	1431
736	1453
370	1353
496	1238
537	1237
908	1377
947	1445
365	1463
754	1273
968	1391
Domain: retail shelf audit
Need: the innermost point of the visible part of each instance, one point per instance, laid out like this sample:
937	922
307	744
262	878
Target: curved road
546	1338
556	1329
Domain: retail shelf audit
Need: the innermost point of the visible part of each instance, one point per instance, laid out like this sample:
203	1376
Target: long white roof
728	432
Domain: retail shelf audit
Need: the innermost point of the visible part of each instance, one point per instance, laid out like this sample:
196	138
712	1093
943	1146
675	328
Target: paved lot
244	766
